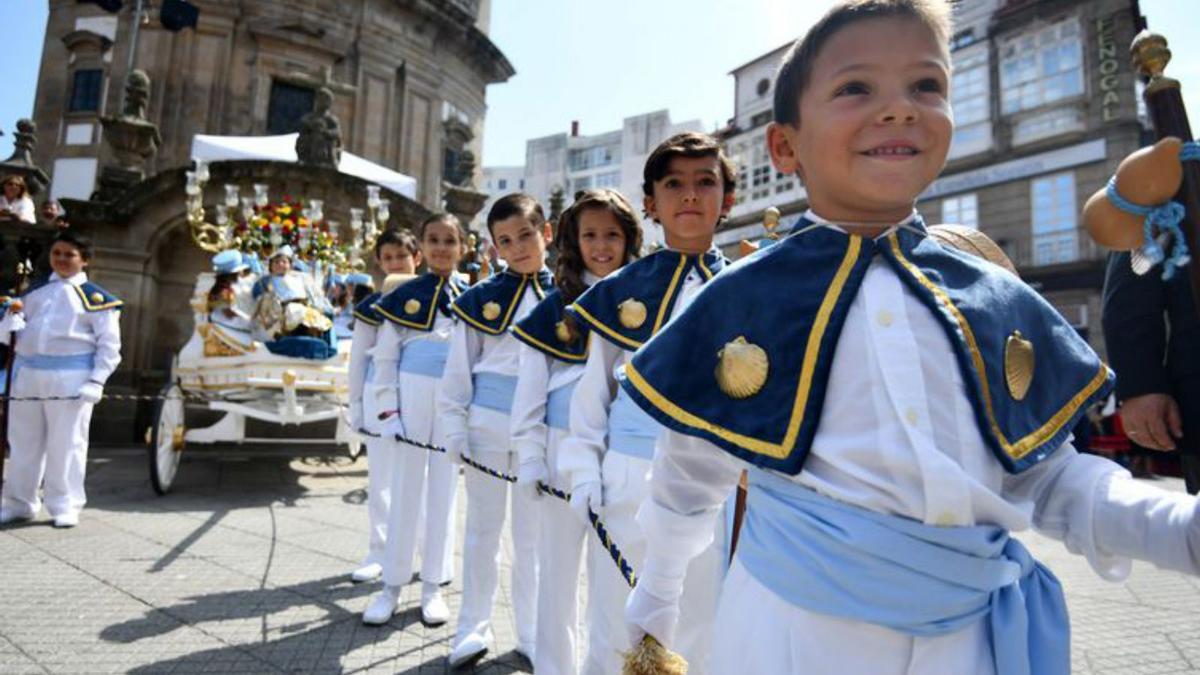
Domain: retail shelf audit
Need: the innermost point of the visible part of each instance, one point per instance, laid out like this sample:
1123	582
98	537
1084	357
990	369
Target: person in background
15	203
1152	330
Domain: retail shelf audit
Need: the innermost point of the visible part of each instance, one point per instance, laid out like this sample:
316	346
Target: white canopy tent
283	149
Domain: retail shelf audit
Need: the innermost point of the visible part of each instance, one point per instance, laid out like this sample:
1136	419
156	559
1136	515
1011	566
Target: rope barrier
614	551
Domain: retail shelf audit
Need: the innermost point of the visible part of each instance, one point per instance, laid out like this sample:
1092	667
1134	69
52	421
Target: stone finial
21	161
556	202
466	169
458	167
320	139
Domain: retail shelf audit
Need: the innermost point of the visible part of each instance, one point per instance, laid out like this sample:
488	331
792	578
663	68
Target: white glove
356	418
585	496
91	392
647	613
387	398
12	322
530	474
393	427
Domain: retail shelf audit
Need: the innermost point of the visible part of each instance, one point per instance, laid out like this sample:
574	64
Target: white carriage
226	371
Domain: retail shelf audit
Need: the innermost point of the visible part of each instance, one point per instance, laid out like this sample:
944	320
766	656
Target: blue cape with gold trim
540	330
95	298
791	300
489	305
365	311
415	304
653	281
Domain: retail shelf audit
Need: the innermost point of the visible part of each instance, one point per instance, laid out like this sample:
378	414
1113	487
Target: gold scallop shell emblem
412	306
632	313
562	332
491	311
742	368
97	298
1018	365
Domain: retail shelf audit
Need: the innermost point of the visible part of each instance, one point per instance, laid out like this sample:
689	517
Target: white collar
818	220
74	279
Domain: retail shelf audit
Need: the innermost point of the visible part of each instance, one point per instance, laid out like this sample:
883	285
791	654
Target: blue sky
599	62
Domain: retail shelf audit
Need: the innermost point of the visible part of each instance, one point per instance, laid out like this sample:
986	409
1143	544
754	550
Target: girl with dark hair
597	235
409	354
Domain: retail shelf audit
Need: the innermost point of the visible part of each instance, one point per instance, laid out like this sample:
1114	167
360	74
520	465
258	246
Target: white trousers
626	486
48	441
488	438
381	463
759	632
423	487
560	557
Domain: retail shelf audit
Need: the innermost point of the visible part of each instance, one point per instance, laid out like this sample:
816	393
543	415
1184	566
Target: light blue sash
424	357
55	361
494	392
558	406
841	560
630	430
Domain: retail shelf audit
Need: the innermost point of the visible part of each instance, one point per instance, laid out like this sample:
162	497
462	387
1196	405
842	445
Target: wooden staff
1164	101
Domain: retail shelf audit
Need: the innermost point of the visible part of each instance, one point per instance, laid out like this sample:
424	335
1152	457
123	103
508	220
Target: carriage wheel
166	438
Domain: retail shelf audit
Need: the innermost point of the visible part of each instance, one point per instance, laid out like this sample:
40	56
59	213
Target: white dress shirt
897	435
56	324
473	351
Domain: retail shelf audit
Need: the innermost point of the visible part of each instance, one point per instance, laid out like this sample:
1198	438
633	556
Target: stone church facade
408	79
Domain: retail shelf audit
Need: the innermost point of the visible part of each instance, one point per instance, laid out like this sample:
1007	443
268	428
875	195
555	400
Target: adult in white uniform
69	343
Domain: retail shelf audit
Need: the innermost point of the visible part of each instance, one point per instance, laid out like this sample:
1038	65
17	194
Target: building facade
408	79
1046	105
398	69
573	162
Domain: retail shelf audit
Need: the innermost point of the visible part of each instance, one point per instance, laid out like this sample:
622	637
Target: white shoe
67	519
368	572
434	611
470	649
13	517
382	606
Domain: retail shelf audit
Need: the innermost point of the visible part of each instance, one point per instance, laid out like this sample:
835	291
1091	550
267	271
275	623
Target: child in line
396	253
475	402
597	235
69	342
410	356
901	406
689	187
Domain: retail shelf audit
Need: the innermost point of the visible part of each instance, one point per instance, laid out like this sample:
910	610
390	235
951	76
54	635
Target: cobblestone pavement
243	569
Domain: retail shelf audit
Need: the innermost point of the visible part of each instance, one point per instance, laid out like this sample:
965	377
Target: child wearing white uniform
396	254
69	342
688	185
475	403
410	357
596	236
901	406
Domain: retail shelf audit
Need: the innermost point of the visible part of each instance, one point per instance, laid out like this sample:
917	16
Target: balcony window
1041	66
85	90
970	96
1055	230
961	210
597	156
288	104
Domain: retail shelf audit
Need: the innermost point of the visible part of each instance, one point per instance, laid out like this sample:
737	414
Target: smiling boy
475	403
884	481
70	342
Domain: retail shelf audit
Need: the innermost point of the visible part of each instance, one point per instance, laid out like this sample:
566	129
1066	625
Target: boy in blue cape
901	406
